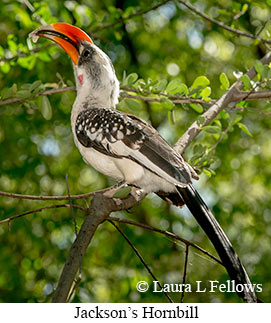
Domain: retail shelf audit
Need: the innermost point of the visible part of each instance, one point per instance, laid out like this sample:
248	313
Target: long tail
228	256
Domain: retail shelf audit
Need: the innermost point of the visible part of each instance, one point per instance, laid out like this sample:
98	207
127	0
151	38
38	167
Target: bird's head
93	69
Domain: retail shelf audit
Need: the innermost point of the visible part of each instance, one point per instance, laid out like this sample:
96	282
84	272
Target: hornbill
126	148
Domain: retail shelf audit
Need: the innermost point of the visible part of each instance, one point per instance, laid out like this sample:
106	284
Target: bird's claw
137	193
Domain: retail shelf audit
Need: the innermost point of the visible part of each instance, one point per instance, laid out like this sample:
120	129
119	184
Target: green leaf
131	78
176	86
245	7
212	129
168	104
200	81
133	104
197	107
259	67
160	87
171	117
236	119
208	172
122	192
205	93
23	94
246	81
5	67
65	100
2	51
34	86
7	93
244	128
46	109
199	149
224	115
44	57
27	62
224	81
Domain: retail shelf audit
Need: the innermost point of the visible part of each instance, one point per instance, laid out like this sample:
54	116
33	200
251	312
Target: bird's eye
86	53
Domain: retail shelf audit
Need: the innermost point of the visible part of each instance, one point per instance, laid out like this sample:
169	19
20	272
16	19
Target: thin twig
47	92
181	100
132	15
53	198
35	15
141	259
220	24
72	211
40	210
167	233
220	138
185	270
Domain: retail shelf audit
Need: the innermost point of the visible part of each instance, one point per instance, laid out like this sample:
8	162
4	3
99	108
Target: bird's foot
137	193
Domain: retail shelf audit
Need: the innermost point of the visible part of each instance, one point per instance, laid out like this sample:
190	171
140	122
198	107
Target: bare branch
230	96
220	24
140	258
169	234
40	210
252	96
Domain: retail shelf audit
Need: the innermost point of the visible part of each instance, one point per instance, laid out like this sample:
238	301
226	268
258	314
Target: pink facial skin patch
80	78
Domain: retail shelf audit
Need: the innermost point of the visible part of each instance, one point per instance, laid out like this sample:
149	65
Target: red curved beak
67	36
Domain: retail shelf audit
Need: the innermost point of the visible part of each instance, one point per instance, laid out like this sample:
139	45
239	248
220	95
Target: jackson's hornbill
127	148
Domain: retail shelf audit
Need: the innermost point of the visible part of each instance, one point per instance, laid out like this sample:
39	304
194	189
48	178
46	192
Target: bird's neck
88	97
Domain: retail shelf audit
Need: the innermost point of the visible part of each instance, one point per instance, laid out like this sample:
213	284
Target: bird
128	149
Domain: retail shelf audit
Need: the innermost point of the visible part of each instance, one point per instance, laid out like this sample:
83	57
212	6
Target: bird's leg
112	190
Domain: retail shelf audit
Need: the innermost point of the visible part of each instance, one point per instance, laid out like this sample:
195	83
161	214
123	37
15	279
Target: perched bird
127	148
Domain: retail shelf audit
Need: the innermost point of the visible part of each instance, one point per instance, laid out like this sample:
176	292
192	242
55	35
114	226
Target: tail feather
209	224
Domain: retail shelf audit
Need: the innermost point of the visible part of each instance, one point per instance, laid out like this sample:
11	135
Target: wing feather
125	136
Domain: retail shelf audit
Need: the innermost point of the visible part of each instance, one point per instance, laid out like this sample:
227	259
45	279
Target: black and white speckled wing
125	136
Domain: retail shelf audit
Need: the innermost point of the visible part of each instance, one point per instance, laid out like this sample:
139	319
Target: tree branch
220	24
99	210
47	92
181	100
232	95
53	198
169	234
42	209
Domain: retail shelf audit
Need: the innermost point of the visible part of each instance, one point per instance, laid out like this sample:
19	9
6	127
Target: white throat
105	95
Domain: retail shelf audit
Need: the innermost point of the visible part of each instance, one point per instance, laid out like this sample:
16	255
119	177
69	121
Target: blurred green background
37	151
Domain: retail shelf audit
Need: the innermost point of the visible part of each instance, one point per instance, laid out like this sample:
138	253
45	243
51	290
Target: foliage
160	55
